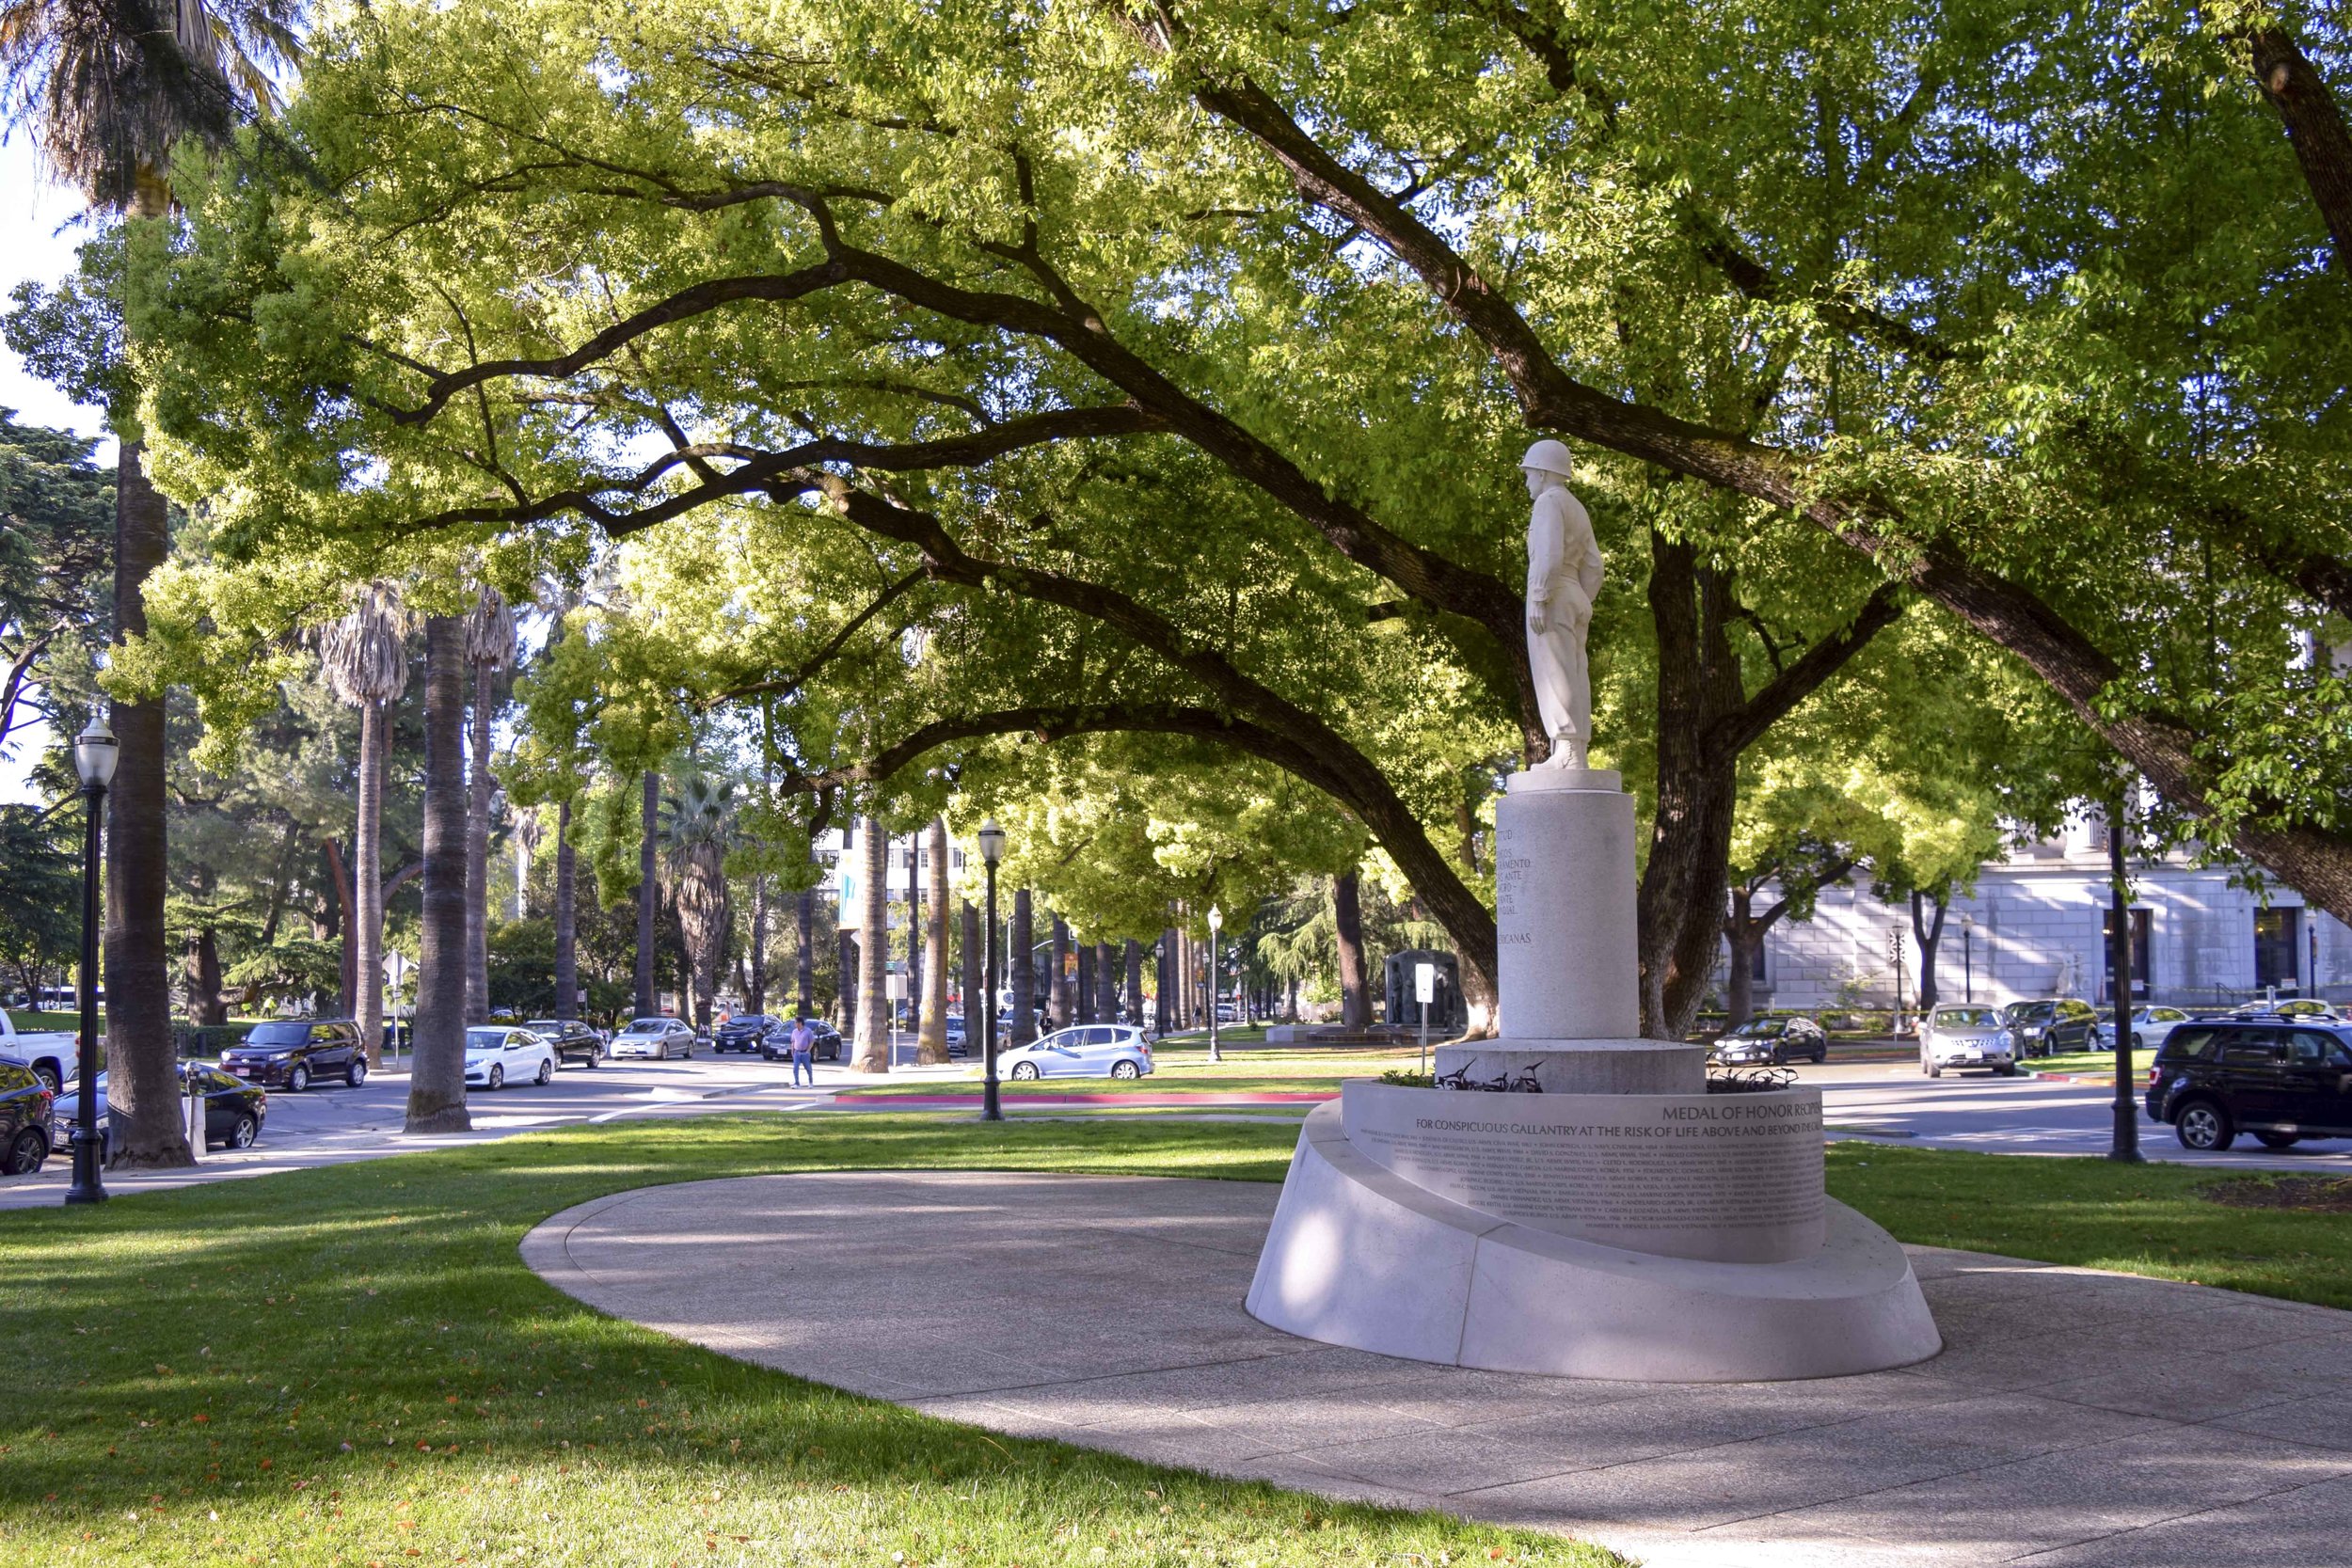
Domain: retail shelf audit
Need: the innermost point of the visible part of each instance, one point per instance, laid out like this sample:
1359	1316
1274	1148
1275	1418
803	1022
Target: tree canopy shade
1120	368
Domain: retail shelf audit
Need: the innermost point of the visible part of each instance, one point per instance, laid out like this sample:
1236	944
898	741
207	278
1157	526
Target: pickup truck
49	1055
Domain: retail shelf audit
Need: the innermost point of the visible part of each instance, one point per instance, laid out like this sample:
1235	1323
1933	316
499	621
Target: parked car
658	1037
573	1042
1776	1040
1088	1051
298	1053
48	1053
1961	1037
2282	1078
2046	1028
824	1043
498	1055
2151	1028
2294	1006
233	1110
26	1119
957	1044
743	1032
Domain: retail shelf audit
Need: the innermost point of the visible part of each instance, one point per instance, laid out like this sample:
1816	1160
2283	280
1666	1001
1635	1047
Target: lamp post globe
95	755
992	839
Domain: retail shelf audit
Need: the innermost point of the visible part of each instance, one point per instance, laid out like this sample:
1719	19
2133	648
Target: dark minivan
298	1053
2283	1081
25	1104
2053	1028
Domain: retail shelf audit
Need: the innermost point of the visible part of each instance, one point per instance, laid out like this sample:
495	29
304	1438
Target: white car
1088	1051
2151	1028
497	1056
1963	1037
658	1037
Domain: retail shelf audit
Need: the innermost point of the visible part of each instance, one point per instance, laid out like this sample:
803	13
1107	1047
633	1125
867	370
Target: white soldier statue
1563	572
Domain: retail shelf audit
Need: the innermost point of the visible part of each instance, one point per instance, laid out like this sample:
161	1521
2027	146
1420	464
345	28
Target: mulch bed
2313	1194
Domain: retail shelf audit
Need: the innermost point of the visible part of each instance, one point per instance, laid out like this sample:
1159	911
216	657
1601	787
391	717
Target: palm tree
525	830
437	1082
931	1041
699	829
489	648
648	893
365	655
873	949
105	90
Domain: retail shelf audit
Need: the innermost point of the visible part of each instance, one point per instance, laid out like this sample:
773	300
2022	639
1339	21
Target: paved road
334	1125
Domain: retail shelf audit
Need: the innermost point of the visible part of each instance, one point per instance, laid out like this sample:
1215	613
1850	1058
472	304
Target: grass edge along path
353	1366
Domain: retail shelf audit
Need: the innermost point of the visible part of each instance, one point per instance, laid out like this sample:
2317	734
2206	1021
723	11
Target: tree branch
1736	731
787	685
2314	129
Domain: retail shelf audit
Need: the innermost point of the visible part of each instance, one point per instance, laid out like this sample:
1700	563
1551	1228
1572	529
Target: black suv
572	1040
25	1111
2048	1028
743	1032
2280	1079
299	1053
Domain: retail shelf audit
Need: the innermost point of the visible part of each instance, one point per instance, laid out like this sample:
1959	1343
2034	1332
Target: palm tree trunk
1057	981
756	960
974	986
805	980
437	1082
566	917
367	880
144	1096
478	853
1164	983
1105	984
932	1044
1023	955
1133	1012
873	948
1347	919
914	930
647	896
1082	990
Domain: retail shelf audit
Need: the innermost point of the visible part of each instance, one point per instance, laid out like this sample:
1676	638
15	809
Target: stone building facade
2035	926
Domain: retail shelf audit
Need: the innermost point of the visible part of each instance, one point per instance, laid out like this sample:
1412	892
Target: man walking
803	1052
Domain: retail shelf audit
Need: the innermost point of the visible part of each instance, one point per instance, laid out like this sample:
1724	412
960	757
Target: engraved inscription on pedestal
1728	1178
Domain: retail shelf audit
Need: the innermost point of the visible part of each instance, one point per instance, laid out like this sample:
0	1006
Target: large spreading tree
1161	371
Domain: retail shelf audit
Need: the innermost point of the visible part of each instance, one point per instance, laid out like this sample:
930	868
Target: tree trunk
341	921
755	960
436	1081
1057	1010
913	987
1082	991
977	1001
804	977
873	942
1931	934
1163	999
207	1007
931	1036
845	967
1683	885
1022	950
478	853
1132	1011
1347	920
143	1095
648	896
566	917
367	878
1744	934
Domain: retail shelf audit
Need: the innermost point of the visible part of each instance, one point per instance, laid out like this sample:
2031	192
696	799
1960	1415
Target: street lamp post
1217	924
1967	958
94	755
991	850
2125	1148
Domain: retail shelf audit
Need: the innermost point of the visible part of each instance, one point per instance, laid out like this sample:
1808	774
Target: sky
37	219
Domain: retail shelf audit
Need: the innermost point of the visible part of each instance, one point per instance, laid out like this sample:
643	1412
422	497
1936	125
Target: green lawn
352	1366
2102	1062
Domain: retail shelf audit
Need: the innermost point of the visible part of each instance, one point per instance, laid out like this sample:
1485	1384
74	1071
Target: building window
2139	951
1756	964
2275	932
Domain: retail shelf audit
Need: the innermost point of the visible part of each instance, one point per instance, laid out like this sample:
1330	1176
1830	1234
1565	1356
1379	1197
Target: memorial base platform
1371	1246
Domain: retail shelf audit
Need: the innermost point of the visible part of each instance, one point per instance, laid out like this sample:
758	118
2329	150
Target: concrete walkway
2075	1419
